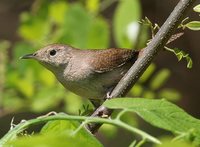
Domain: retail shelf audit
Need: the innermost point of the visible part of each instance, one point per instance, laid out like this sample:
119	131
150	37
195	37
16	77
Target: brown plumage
88	73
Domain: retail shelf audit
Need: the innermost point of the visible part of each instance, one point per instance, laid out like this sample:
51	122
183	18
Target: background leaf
193	25
197	8
124	22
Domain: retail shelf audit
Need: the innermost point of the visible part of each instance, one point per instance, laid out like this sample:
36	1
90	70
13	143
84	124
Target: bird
89	73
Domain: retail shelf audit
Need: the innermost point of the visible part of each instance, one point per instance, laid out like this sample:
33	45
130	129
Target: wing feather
109	59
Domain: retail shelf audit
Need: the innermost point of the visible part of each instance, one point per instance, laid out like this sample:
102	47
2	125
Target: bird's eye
52	52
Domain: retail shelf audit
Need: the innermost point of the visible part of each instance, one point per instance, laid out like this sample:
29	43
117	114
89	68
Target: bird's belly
95	85
87	89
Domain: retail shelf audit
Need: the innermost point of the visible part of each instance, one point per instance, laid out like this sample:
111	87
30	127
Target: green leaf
57	11
168	142
197	8
149	94
73	103
149	71
34	29
98	36
68	128
93	31
136	90
47	77
169	94
193	25
92	5
47	98
159	79
162	114
58	133
126	27
181	54
24	85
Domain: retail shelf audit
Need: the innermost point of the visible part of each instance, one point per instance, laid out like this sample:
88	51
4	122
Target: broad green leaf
162	114
197	8
67	128
125	24
159	79
52	140
193	25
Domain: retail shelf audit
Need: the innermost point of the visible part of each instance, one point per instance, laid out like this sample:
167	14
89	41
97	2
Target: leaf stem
23	125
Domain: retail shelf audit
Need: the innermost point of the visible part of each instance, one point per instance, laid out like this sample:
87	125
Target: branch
145	58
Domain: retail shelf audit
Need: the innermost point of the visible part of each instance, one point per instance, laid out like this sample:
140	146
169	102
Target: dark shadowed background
182	79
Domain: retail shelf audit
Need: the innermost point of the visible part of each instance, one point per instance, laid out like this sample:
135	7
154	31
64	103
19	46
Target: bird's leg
108	94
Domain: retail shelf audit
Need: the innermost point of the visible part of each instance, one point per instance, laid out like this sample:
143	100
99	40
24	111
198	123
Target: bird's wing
109	59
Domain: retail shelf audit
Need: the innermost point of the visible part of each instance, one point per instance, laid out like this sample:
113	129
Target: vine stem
23	125
145	58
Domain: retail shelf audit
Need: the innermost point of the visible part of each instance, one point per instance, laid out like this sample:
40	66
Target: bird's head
53	57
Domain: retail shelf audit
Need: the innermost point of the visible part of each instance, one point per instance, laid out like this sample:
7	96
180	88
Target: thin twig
145	58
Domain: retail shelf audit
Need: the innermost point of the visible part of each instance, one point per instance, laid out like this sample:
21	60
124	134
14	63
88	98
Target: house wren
88	73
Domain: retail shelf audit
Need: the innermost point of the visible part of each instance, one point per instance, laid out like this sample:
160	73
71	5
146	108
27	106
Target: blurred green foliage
27	86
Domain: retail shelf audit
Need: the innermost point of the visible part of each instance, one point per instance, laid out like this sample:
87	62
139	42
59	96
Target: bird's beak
28	56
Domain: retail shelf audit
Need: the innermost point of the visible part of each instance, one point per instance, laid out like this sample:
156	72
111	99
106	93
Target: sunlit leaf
58	133
67	128
34	29
92	5
126	22
197	8
47	77
57	11
193	25
98	36
93	32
